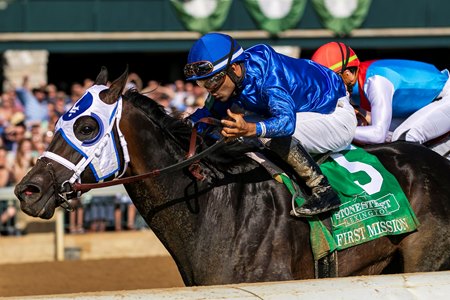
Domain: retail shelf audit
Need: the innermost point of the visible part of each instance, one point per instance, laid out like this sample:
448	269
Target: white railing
433	285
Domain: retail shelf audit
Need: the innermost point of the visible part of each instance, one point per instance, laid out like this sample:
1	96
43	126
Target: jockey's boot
323	198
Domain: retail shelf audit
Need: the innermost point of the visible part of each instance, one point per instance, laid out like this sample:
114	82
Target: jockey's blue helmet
211	54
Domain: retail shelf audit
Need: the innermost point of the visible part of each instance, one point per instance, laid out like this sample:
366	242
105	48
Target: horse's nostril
30	190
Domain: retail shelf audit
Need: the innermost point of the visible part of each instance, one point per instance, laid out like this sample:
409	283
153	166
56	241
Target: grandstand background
77	37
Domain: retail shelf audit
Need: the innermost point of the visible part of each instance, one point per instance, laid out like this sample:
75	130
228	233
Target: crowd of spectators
27	119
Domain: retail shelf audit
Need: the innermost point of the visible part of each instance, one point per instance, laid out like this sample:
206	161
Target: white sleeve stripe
263	129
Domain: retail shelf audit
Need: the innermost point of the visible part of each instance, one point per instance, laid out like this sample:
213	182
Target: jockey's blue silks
100	152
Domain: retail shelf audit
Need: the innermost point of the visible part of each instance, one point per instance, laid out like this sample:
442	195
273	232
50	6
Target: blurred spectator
189	99
57	108
34	102
37	139
7	217
76	92
200	95
11	97
48	136
14	132
124	204
8	209
87	83
99	212
152	85
6	173
51	92
151	90
179	98
76	217
60	103
25	159
164	100
134	81
9	105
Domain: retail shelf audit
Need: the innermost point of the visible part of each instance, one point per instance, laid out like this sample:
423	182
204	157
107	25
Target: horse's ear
116	88
102	77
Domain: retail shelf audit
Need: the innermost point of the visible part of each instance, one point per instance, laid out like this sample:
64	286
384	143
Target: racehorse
234	225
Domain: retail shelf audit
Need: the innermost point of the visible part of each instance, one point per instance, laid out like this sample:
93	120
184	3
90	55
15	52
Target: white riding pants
428	122
319	133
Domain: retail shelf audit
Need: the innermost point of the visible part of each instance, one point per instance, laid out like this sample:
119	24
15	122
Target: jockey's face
350	76
226	89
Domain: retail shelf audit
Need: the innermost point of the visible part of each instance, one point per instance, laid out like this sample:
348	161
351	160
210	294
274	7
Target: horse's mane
181	131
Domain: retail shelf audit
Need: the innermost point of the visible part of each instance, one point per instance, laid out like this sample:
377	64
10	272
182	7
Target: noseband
63	197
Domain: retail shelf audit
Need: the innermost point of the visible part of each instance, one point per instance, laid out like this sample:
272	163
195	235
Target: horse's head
85	148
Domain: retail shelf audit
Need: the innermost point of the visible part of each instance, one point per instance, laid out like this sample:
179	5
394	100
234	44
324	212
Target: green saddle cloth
373	203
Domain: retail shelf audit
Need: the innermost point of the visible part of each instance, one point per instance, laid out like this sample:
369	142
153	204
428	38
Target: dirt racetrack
47	278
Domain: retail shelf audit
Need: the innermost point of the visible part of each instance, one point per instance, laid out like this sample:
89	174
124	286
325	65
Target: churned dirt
49	278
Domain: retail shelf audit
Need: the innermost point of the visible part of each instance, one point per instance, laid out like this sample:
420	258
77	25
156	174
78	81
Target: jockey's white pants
428	122
319	133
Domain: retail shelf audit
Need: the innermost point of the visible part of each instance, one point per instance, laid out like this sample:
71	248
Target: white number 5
376	180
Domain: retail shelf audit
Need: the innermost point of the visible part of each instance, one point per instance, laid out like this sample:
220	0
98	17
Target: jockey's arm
380	92
278	104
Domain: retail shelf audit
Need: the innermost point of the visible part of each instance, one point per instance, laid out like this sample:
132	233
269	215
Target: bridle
73	187
64	192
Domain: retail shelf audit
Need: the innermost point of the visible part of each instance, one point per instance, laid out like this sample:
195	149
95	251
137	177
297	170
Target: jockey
295	100
394	91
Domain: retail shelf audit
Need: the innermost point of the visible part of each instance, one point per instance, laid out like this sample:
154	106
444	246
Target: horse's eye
86	130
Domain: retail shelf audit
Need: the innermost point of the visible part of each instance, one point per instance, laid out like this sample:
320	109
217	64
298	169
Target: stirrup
318	203
306	212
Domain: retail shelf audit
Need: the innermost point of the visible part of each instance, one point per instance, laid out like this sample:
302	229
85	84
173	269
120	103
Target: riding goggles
213	83
198	68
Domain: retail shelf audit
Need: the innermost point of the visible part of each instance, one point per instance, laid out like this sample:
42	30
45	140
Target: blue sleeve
282	111
199	113
203	128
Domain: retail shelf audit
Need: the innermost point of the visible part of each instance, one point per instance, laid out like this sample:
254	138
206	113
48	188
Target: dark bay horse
235	226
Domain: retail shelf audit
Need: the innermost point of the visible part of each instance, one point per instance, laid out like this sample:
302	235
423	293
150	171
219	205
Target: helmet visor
198	68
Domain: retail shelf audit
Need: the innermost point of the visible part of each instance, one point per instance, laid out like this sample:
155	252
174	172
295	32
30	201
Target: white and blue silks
100	153
411	93
415	84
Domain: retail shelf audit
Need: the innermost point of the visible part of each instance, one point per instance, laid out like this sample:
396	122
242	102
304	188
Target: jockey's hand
235	126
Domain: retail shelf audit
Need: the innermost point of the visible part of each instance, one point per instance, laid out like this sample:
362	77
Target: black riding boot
323	198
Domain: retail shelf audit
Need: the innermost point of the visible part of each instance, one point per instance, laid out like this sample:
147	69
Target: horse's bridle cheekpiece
99	153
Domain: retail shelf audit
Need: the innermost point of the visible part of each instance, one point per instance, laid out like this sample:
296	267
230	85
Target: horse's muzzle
32	200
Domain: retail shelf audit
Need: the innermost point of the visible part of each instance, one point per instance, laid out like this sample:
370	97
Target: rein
190	159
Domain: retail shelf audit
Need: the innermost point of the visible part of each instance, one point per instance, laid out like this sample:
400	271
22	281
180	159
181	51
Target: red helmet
336	56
